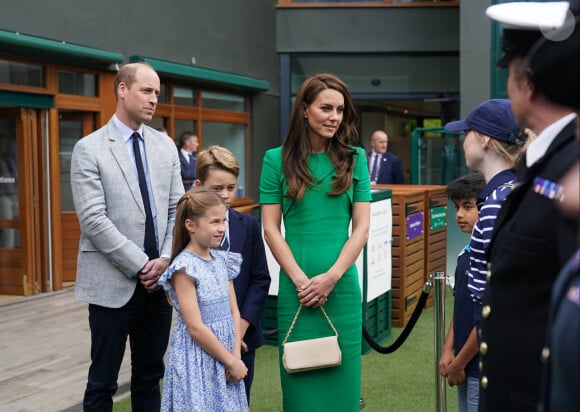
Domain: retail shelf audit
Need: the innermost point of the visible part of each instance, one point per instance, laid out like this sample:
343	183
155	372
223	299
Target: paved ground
44	353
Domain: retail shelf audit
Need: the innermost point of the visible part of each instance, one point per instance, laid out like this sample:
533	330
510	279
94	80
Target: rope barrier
408	328
270	332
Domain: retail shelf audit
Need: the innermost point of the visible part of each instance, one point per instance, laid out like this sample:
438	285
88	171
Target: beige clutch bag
310	354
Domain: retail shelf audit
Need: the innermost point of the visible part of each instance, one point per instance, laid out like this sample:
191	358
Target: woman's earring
306	123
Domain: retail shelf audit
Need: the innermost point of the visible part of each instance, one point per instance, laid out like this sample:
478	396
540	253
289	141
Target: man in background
188	145
384	167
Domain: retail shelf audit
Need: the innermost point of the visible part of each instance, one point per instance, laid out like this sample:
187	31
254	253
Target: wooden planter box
436	230
408	250
435	227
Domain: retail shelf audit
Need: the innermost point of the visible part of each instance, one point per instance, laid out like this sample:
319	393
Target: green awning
39	48
35	100
184	71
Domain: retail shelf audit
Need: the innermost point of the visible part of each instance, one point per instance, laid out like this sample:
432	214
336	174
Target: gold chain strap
296	317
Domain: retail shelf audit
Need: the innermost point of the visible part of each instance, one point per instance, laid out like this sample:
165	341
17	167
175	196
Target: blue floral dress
195	381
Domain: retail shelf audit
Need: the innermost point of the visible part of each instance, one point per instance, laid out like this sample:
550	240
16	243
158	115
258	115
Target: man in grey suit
126	183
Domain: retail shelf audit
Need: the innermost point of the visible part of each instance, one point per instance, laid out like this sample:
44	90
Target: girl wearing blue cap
493	145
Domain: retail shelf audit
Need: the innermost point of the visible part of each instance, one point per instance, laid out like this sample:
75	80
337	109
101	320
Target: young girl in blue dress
204	369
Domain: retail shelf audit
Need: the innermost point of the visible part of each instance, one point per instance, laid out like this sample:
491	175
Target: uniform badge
548	189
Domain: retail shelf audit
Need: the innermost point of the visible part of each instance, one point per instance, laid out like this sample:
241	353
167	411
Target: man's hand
150	273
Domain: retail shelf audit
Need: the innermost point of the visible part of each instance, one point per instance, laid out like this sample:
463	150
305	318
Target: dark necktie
192	164
150	244
375	169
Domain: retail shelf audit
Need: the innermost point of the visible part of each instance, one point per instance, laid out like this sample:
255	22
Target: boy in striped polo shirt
460	354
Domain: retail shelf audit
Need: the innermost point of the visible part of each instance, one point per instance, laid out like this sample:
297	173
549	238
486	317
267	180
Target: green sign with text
438	217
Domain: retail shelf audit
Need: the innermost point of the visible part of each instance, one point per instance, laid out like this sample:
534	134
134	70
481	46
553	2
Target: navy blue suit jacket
561	377
187	170
391	171
253	282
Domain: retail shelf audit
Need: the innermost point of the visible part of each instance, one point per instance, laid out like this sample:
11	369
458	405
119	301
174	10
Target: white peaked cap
529	15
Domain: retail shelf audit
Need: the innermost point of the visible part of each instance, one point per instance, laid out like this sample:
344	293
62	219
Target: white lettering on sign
9	179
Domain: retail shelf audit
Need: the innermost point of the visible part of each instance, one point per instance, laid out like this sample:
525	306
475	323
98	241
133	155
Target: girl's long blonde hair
512	153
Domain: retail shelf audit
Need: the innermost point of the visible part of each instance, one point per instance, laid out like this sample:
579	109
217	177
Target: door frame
28	265
68	230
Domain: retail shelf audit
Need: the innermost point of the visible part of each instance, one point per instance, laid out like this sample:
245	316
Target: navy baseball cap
493	118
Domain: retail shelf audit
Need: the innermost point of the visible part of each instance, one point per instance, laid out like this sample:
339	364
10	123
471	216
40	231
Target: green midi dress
316	229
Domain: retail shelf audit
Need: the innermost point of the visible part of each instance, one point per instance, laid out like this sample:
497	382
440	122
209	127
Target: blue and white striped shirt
489	204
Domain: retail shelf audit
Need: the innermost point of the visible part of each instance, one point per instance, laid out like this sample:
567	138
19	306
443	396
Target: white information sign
379	257
273	266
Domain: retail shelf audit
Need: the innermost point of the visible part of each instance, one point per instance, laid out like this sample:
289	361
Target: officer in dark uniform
532	239
556	62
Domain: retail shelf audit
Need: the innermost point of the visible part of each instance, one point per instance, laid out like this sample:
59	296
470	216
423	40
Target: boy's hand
447	357
456	375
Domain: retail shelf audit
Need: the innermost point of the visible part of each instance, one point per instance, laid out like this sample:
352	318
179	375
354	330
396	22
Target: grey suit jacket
111	214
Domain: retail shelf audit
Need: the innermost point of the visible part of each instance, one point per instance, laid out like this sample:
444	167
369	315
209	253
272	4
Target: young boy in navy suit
218	169
459	357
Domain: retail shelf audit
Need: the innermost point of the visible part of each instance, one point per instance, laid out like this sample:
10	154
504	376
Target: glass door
23	228
72	126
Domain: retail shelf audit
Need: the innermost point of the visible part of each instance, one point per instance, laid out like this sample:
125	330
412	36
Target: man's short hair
127	74
184	137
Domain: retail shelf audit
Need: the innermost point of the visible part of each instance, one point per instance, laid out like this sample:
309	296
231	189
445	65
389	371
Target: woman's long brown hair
296	146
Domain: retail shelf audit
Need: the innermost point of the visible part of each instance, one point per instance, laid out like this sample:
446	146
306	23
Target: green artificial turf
403	381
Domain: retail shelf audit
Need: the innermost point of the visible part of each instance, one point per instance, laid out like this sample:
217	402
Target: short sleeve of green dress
316	229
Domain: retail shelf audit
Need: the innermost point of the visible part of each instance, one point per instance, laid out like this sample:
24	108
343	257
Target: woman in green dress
318	183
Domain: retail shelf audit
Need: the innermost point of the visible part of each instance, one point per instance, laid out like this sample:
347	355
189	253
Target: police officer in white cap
557	68
532	240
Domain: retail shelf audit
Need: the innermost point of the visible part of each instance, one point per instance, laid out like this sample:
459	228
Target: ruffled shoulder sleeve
180	262
233	264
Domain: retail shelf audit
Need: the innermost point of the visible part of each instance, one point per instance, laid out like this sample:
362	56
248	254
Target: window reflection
441	158
80	84
21	74
72	126
222	101
184	96
9	237
163	95
232	137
